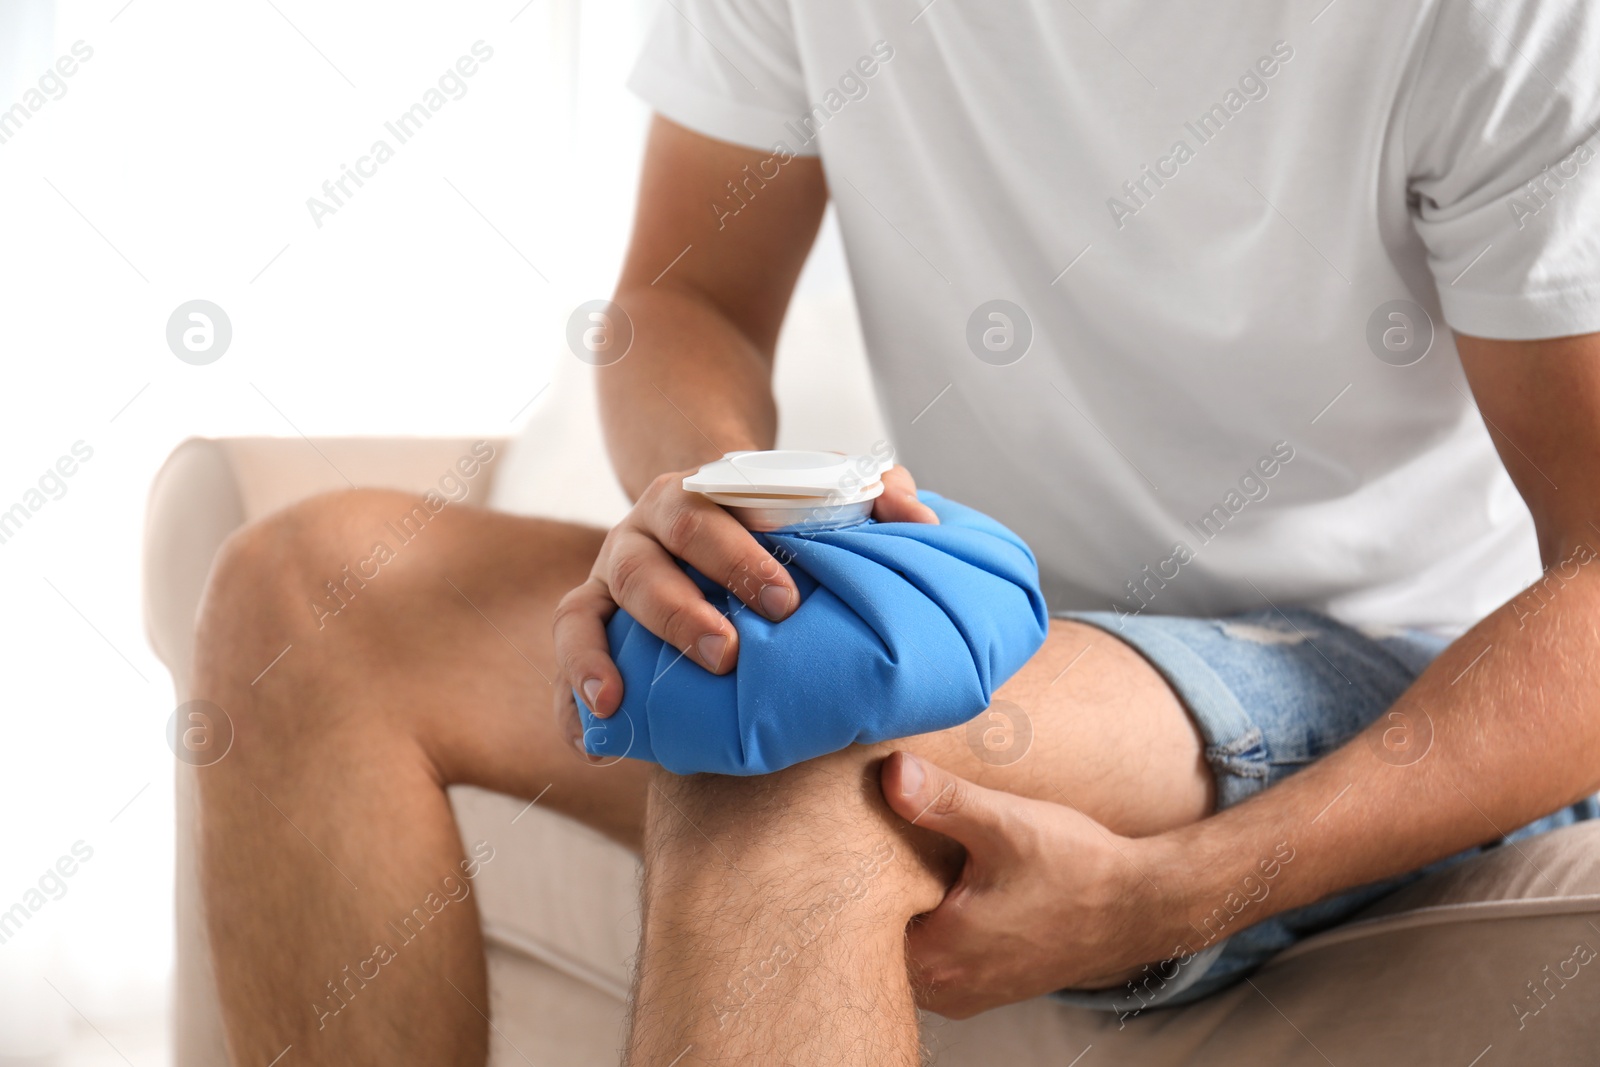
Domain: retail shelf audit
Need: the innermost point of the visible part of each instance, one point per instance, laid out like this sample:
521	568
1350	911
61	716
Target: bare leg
775	907
775	912
328	820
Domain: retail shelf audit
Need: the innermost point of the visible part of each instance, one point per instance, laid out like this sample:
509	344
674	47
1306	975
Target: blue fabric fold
903	628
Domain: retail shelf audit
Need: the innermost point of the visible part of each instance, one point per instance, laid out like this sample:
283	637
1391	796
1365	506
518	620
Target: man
1157	286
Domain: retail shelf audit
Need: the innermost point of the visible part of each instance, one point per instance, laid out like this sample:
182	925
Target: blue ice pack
903	628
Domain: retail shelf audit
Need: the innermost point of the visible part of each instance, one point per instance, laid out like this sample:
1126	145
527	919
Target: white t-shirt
1204	213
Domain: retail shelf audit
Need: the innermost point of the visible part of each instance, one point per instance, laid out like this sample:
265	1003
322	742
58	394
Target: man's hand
637	570
706	300
899	501
1047	899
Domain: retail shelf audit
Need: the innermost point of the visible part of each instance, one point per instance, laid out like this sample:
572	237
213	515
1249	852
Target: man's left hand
1047	898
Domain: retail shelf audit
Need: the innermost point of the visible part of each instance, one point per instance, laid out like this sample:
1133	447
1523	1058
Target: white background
177	166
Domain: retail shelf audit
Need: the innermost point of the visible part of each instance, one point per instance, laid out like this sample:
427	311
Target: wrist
1173	880
1211	885
1150	896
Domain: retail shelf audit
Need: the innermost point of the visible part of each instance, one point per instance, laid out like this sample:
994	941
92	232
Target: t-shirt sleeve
1504	165
729	69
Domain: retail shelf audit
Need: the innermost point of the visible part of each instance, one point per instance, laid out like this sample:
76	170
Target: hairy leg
328	821
775	907
774	920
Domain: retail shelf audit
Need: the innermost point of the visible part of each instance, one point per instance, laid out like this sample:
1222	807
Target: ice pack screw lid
790	477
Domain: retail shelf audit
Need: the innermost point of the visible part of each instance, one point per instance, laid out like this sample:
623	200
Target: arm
706	291
705	324
1507	720
1514	733
705	305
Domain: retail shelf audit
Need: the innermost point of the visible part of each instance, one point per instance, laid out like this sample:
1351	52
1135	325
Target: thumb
933	798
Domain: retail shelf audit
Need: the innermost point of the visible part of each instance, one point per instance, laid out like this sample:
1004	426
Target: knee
280	580
821	824
816	797
267	565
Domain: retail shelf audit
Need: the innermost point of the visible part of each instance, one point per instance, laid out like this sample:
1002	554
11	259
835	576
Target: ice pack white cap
776	489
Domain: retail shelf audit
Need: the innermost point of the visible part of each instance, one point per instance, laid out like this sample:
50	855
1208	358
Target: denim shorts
1271	692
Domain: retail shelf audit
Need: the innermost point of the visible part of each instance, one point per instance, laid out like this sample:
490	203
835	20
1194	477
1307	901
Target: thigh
412	628
409	634
1087	722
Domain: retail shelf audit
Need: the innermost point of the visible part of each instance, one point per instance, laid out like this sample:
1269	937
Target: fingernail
775	601
911	775
591	692
711	648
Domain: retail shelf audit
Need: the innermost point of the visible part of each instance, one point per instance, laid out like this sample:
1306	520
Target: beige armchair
1471	966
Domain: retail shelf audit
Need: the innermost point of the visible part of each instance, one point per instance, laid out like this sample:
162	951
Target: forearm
691	388
1501	730
706	298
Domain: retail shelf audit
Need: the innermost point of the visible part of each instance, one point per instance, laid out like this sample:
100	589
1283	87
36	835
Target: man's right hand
706	281
638	570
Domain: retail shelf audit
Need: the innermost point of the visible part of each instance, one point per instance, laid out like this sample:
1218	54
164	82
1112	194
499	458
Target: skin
432	674
1513	737
328	821
1541	401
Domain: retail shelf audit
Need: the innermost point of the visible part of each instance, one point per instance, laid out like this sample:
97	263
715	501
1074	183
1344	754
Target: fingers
706	537
638	571
899	501
582	651
568	724
935	969
648	584
937	800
